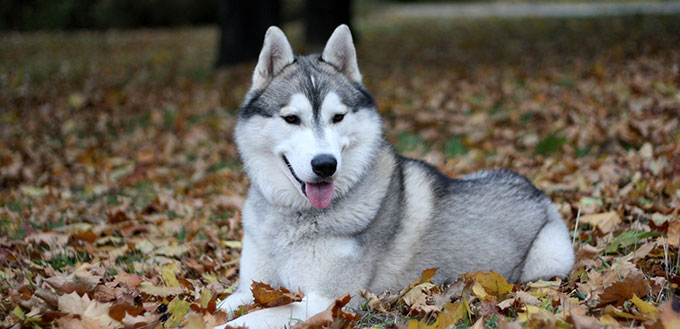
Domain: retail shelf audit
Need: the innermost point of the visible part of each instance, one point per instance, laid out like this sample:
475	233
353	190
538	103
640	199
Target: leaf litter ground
121	186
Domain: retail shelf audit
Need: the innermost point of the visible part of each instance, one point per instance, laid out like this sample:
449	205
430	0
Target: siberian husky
331	208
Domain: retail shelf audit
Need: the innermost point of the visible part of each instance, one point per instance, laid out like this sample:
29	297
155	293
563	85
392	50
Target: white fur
551	254
278	317
349	141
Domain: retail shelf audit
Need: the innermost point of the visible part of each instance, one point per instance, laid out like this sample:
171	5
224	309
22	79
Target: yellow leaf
19	313
453	312
231	244
611	310
415	324
178	309
428	274
149	289
76	100
478	289
645	308
493	283
172	251
169	272
206	296
609	321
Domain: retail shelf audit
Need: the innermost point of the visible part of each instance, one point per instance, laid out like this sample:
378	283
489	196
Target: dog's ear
340	52
276	53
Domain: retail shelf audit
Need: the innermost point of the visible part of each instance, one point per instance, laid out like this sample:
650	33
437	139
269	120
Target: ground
120	186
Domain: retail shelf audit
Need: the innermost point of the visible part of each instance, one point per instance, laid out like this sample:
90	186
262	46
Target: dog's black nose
324	165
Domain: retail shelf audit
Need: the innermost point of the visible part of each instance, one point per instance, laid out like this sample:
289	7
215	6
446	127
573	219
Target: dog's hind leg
551	253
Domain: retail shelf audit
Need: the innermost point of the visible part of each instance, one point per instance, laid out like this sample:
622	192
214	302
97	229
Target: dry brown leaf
673	233
120	310
130	279
584	322
266	296
140	321
605	222
89	310
332	317
623	290
419	299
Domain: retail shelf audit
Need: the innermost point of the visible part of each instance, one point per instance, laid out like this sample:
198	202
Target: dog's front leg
286	315
254	266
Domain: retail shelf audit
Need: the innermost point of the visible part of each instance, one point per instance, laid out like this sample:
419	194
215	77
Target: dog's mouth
319	194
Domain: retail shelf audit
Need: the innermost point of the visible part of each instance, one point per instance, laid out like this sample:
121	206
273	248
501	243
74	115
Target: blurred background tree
241	23
103	14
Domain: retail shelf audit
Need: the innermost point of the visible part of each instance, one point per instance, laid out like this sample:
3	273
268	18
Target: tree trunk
242	28
322	17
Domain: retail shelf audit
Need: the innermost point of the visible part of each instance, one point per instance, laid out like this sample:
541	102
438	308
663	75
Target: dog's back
489	220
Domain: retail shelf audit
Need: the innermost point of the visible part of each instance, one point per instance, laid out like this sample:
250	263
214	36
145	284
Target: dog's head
308	129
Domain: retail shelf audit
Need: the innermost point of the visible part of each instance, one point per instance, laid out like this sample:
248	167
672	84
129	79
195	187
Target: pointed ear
276	53
340	52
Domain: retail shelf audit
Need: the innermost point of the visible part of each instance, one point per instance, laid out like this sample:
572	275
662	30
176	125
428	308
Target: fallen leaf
169	273
177	308
585	322
674	233
645	308
623	290
332	317
611	310
605	222
419	299
149	289
492	283
266	296
83	306
120	310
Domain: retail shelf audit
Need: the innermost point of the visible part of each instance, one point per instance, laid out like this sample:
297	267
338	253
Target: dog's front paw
263	319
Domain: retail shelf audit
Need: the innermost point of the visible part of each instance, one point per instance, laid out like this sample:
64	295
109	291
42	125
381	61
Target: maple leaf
266	296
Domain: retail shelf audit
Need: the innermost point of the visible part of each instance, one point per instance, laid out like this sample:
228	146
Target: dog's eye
292	119
338	117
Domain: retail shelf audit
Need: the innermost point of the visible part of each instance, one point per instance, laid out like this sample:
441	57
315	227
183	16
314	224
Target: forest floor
121	189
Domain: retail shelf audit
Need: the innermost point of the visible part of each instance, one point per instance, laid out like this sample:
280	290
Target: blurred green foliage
102	14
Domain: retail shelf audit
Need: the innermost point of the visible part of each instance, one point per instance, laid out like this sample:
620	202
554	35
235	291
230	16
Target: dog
332	209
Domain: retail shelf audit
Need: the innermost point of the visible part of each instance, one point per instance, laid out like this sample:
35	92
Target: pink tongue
319	195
